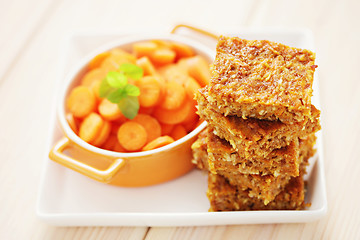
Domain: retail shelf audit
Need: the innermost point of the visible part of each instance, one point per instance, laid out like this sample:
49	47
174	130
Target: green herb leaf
131	70
132	90
116	89
116	80
105	89
129	106
116	95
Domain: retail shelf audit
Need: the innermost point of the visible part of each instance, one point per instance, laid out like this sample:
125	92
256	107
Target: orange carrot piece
118	148
191	87
183	65
97	60
72	122
144	48
192	115
91	127
109	111
182	50
173	116
174	96
178	132
97	74
103	135
95	86
117	57
198	68
146	65
81	101
151	125
158	142
110	142
192	118
174	73
163	56
146	110
115	127
162	43
132	136
150	91
191	125
166	128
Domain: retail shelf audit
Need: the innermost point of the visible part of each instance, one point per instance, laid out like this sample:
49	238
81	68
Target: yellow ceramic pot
124	169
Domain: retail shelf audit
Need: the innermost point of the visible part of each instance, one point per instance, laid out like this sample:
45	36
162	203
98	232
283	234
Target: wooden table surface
31	34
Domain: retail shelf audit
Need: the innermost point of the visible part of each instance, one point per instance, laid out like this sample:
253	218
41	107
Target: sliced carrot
183	65
146	65
97	74
163	56
174	73
103	135
115	127
95	86
110	142
98	59
72	122
191	87
121	52
144	48
146	110
158	142
192	115
191	125
81	101
116	59
118	148
174	96
150	91
91	127
173	116
198	68
178	132
151	125
166	128
161	82
162	43
109	111
192	118
132	136
181	50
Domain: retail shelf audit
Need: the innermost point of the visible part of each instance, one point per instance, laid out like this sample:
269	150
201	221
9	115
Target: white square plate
67	198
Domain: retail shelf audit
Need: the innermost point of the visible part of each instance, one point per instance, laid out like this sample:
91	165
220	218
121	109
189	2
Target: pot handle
209	34
56	154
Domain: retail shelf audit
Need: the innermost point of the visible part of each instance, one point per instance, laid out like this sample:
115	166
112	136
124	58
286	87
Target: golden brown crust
225	197
266	187
253	137
261	79
282	161
199	151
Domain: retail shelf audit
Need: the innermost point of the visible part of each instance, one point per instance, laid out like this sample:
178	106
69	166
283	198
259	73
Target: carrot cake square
253	137
265	187
225	197
261	79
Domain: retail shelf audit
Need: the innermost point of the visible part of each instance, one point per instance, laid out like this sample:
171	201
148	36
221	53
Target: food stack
261	125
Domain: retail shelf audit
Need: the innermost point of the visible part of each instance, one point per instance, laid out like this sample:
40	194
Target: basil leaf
132	90
116	80
105	89
116	95
129	106
131	70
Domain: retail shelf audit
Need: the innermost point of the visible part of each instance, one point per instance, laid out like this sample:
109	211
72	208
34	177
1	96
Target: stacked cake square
261	125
